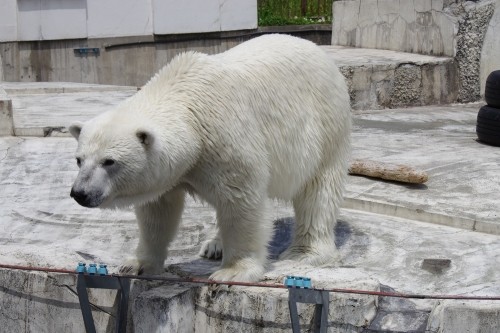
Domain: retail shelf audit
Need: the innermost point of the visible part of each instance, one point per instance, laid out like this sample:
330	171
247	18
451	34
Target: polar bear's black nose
81	197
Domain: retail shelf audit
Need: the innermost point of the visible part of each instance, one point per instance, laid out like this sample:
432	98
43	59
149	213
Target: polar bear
268	119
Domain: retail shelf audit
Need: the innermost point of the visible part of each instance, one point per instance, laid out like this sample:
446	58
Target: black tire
488	125
492	90
488	122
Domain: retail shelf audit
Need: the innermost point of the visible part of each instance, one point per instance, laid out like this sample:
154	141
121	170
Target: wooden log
388	171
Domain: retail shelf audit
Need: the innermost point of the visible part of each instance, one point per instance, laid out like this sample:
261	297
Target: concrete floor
384	234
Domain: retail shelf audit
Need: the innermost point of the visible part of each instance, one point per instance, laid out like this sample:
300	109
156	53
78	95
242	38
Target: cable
38	269
260	284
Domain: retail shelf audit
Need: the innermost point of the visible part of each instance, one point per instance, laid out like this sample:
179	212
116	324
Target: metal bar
121	319
320	298
101	282
122	285
83	297
294	315
261	285
325	307
318	310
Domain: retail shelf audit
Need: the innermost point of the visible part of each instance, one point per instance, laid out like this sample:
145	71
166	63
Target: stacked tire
488	118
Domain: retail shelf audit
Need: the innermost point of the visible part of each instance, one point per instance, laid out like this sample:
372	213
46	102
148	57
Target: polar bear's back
294	94
276	102
269	49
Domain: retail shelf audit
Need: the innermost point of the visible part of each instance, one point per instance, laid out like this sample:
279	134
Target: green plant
284	12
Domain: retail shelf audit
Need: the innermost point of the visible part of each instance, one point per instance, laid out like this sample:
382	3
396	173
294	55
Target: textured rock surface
6	119
436	27
456	316
384	78
472	29
39	302
399	315
165	309
490	59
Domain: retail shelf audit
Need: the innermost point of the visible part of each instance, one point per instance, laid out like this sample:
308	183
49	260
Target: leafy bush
284	12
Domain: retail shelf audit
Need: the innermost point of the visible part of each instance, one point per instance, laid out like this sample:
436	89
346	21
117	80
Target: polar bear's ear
145	137
75	129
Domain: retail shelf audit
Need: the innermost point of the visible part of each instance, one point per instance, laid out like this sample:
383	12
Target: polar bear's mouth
127	201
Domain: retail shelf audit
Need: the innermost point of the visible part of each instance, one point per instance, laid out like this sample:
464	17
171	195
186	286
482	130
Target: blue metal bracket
300	292
298	282
86	281
84	51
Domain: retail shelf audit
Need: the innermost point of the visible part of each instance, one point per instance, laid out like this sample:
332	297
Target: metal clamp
84	51
299	292
102	282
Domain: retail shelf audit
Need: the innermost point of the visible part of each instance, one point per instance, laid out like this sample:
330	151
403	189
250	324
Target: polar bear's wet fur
268	119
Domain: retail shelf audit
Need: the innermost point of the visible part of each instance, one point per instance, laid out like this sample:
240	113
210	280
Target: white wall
118	18
51	19
67	19
174	16
8	20
238	15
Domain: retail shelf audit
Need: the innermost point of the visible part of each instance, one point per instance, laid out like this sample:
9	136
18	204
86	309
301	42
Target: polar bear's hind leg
316	207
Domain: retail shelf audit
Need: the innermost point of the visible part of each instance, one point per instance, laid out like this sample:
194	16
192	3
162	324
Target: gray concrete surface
383	235
46	108
462	190
58	110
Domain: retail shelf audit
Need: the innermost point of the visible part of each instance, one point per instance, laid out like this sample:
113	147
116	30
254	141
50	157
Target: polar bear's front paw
212	249
244	270
141	267
313	256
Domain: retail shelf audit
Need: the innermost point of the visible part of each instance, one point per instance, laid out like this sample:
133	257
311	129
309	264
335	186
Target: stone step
464	30
377	79
36	88
387	79
47	108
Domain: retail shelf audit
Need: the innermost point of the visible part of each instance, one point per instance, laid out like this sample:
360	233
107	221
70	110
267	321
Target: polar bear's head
126	160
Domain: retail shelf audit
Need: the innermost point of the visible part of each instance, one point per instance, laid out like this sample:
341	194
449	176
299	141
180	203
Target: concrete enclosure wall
124	61
27	20
423	26
121	60
453	28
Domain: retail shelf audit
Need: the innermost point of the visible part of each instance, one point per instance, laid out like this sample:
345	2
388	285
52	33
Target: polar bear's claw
211	249
129	269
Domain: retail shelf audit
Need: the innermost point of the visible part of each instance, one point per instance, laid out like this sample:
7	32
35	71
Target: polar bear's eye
108	162
78	161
